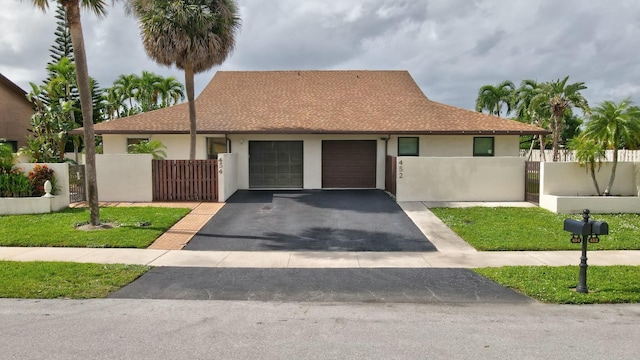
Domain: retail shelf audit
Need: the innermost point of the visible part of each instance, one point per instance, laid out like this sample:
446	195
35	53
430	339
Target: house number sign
400	169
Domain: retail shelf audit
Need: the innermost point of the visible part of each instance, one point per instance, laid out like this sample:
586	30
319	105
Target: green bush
6	157
14	183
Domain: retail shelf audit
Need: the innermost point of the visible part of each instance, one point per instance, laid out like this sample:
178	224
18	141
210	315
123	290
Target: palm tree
147	90
589	153
170	91
494	98
154	147
614	126
194	35
529	113
559	98
72	8
126	85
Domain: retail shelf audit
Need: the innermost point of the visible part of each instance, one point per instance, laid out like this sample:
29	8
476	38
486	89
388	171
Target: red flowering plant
38	176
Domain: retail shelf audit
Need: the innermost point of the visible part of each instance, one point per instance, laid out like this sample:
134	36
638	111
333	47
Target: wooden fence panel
185	180
390	174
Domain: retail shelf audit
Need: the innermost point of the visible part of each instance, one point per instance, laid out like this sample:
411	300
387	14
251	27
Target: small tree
589	154
614	126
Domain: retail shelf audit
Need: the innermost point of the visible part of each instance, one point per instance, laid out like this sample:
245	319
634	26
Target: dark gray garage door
275	164
349	164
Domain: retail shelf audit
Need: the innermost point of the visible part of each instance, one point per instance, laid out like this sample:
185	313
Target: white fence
566	155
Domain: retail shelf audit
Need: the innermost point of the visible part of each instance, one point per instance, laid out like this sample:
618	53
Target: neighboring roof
315	102
13	87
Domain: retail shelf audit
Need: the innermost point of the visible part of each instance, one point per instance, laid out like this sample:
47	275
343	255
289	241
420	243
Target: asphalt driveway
315	220
427	285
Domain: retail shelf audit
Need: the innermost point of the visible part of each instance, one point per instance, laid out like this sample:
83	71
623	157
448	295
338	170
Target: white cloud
451	47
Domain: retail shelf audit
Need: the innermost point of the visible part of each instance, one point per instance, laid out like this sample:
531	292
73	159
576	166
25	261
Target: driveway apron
430	285
315	220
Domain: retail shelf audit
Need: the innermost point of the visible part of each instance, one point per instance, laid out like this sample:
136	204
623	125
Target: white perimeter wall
60	200
227	176
460	179
568	178
565	187
126	178
312	153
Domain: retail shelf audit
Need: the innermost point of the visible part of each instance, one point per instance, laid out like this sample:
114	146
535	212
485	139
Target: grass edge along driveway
54	280
556	284
522	229
134	227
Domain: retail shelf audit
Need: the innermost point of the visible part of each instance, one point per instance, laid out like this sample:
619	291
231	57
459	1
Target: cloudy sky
450	47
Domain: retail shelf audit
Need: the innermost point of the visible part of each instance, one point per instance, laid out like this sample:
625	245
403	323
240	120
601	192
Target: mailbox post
581	232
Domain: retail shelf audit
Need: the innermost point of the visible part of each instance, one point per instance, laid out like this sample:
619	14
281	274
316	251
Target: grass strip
135	227
550	284
53	280
505	228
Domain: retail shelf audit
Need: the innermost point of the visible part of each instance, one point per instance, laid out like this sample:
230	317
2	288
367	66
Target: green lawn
606	284
503	228
136	227
52	280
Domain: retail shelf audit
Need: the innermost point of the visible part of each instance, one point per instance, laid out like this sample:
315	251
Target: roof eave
80	131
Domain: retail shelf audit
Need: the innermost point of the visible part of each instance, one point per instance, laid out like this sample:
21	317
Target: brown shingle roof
315	102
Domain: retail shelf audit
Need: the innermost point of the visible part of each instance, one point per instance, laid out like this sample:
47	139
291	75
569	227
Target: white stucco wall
124	177
460	179
569	179
565	187
457	145
177	145
40	205
430	146
227	176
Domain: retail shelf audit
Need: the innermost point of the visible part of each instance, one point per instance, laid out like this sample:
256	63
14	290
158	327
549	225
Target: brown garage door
349	164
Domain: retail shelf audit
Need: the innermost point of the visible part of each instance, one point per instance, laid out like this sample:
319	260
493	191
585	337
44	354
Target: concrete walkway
452	252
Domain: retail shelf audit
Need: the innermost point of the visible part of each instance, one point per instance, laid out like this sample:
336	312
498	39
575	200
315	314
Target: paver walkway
180	234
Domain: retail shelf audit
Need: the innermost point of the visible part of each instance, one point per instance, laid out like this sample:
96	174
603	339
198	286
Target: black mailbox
589	231
577	227
599	227
586	228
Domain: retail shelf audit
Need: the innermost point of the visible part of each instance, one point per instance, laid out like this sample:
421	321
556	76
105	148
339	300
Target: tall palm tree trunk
82	73
188	81
592	171
556	136
607	191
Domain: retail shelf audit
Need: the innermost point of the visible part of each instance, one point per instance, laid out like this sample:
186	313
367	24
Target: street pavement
183	329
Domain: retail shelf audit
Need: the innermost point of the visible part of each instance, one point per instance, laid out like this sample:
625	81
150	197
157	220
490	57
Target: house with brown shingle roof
317	129
15	114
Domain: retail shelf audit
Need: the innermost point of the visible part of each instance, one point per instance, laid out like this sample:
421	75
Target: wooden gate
390	175
77	188
532	182
185	180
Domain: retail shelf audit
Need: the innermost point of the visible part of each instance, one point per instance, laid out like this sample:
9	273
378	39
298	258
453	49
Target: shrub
6	157
14	183
38	176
